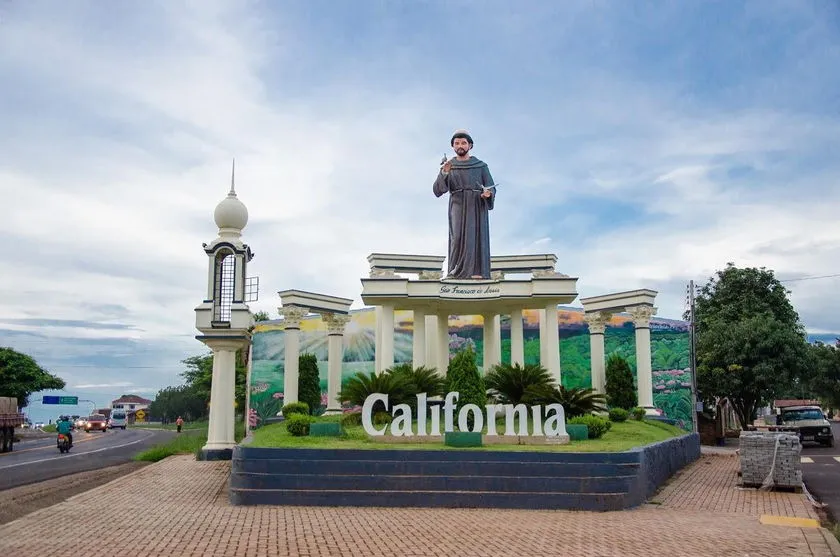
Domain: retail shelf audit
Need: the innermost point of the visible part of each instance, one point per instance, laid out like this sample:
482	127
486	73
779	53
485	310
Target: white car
118	419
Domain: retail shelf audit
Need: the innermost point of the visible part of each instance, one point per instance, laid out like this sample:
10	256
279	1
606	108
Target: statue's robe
469	221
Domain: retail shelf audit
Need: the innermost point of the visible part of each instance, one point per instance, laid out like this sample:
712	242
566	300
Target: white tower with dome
224	319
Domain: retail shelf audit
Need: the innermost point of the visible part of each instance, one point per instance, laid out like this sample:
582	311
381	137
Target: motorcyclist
65	427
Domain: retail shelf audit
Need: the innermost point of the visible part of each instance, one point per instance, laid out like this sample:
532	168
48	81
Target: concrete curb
831	541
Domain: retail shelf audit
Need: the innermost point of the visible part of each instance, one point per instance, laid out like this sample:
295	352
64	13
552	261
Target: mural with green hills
669	349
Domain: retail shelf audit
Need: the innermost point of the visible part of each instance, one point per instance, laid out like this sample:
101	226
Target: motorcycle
63	443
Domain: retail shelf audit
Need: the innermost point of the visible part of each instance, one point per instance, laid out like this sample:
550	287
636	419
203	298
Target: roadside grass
835	529
622	436
200	424
189	441
49	428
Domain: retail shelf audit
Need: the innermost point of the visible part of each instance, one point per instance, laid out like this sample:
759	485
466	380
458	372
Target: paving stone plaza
184	511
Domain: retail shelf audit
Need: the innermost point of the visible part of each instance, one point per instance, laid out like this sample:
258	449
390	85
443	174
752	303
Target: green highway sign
70	400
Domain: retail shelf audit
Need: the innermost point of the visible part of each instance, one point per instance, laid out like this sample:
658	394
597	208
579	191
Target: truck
10	418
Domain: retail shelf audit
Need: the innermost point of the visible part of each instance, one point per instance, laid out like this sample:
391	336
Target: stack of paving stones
756	451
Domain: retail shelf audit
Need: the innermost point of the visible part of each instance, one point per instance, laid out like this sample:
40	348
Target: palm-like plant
508	383
419	380
356	389
576	401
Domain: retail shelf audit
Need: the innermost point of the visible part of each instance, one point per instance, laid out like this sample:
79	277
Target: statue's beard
461	152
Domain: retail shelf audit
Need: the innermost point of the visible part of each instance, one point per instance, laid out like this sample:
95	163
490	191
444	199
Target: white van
118	419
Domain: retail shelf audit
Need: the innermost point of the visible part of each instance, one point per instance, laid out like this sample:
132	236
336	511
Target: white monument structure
224	319
433	299
402	282
297	304
597	312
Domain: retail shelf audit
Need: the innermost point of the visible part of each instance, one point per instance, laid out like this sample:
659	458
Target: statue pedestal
433	299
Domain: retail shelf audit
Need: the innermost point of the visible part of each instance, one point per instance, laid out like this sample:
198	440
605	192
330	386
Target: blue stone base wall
456	478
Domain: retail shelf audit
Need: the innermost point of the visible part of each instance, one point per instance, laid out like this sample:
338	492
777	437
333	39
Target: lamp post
692	350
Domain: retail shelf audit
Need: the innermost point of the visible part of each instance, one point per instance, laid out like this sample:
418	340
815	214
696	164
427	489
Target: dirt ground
20	501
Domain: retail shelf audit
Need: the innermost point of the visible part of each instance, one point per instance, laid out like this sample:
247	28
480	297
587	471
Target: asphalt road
821	472
37	460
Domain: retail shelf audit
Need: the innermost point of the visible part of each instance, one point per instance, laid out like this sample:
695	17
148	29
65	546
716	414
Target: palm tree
419	380
508	383
576	401
356	389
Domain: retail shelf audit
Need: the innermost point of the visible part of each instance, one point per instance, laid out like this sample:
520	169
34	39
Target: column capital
335	322
292	316
597	321
641	315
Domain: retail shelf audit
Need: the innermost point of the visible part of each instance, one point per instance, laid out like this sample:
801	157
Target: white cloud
120	148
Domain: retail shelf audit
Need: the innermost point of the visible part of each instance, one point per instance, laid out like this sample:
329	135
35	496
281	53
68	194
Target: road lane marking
837	458
49	446
68	455
806	460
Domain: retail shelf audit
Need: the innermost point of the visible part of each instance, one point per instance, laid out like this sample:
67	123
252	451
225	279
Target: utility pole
692	349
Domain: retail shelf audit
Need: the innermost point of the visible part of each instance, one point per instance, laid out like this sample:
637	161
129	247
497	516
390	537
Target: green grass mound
622	436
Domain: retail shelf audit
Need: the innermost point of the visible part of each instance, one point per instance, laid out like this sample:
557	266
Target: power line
811	278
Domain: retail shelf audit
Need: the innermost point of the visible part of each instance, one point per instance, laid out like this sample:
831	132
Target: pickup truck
809	422
10	418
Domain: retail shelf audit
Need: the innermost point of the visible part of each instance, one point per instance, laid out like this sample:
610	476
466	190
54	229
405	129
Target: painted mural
669	348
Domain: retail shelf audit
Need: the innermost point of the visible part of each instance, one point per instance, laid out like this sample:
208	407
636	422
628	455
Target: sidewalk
179	507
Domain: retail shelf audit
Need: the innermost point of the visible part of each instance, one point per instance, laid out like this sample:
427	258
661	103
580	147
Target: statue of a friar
471	198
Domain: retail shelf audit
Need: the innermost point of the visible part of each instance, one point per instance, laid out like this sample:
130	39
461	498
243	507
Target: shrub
597	426
619	415
356	389
309	383
295	408
381	418
463	378
621	392
351	419
298	424
508	383
418	380
639	413
576	402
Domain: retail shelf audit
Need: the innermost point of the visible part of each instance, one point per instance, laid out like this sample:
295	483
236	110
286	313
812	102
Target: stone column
443	343
543	357
597	322
431	343
551	340
497	339
377	339
292	316
517	338
335	348
222	396
644	376
386	342
489	337
418	339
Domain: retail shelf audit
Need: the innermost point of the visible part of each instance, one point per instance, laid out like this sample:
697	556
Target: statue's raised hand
447	166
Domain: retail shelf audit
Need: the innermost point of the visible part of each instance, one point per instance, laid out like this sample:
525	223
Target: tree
182	400
620	390
750	342
261	316
463	377
824	382
199	375
309	383
20	376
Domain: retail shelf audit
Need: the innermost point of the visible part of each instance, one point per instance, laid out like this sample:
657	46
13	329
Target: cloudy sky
645	143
